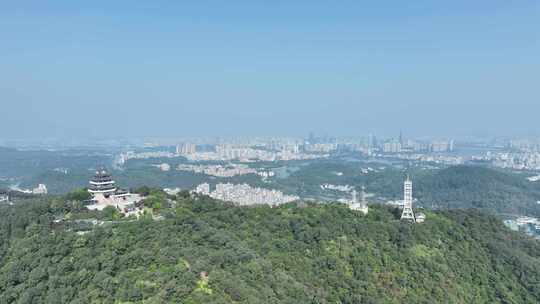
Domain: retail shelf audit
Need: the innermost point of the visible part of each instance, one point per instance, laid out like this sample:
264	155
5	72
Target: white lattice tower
407	213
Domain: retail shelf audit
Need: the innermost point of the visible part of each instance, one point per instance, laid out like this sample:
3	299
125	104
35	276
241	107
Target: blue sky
183	68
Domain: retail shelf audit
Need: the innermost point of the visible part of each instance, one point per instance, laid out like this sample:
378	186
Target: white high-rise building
359	206
186	149
392	147
407	213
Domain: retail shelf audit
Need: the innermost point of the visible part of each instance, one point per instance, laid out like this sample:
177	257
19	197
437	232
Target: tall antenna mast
407	213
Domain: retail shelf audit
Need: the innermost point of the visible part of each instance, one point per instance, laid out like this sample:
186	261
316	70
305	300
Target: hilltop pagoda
102	184
105	193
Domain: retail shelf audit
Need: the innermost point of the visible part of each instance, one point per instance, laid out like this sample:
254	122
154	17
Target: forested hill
205	251
479	187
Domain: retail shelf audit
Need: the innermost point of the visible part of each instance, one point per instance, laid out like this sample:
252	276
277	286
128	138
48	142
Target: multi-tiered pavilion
105	193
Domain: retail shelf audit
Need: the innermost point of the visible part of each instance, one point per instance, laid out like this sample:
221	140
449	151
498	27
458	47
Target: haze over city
269	151
212	68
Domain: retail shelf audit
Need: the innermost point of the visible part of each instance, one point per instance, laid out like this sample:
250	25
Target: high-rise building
442	146
407	213
359	206
311	139
392	147
186	149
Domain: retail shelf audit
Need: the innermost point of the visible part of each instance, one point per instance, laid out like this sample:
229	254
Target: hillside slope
479	187
209	252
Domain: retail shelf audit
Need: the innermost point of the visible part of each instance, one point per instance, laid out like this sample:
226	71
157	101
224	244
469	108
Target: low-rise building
4	198
41	189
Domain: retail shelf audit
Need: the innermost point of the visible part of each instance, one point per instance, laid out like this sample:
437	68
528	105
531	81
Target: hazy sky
179	68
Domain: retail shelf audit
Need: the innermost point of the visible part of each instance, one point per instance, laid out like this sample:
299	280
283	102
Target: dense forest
203	251
491	190
479	187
